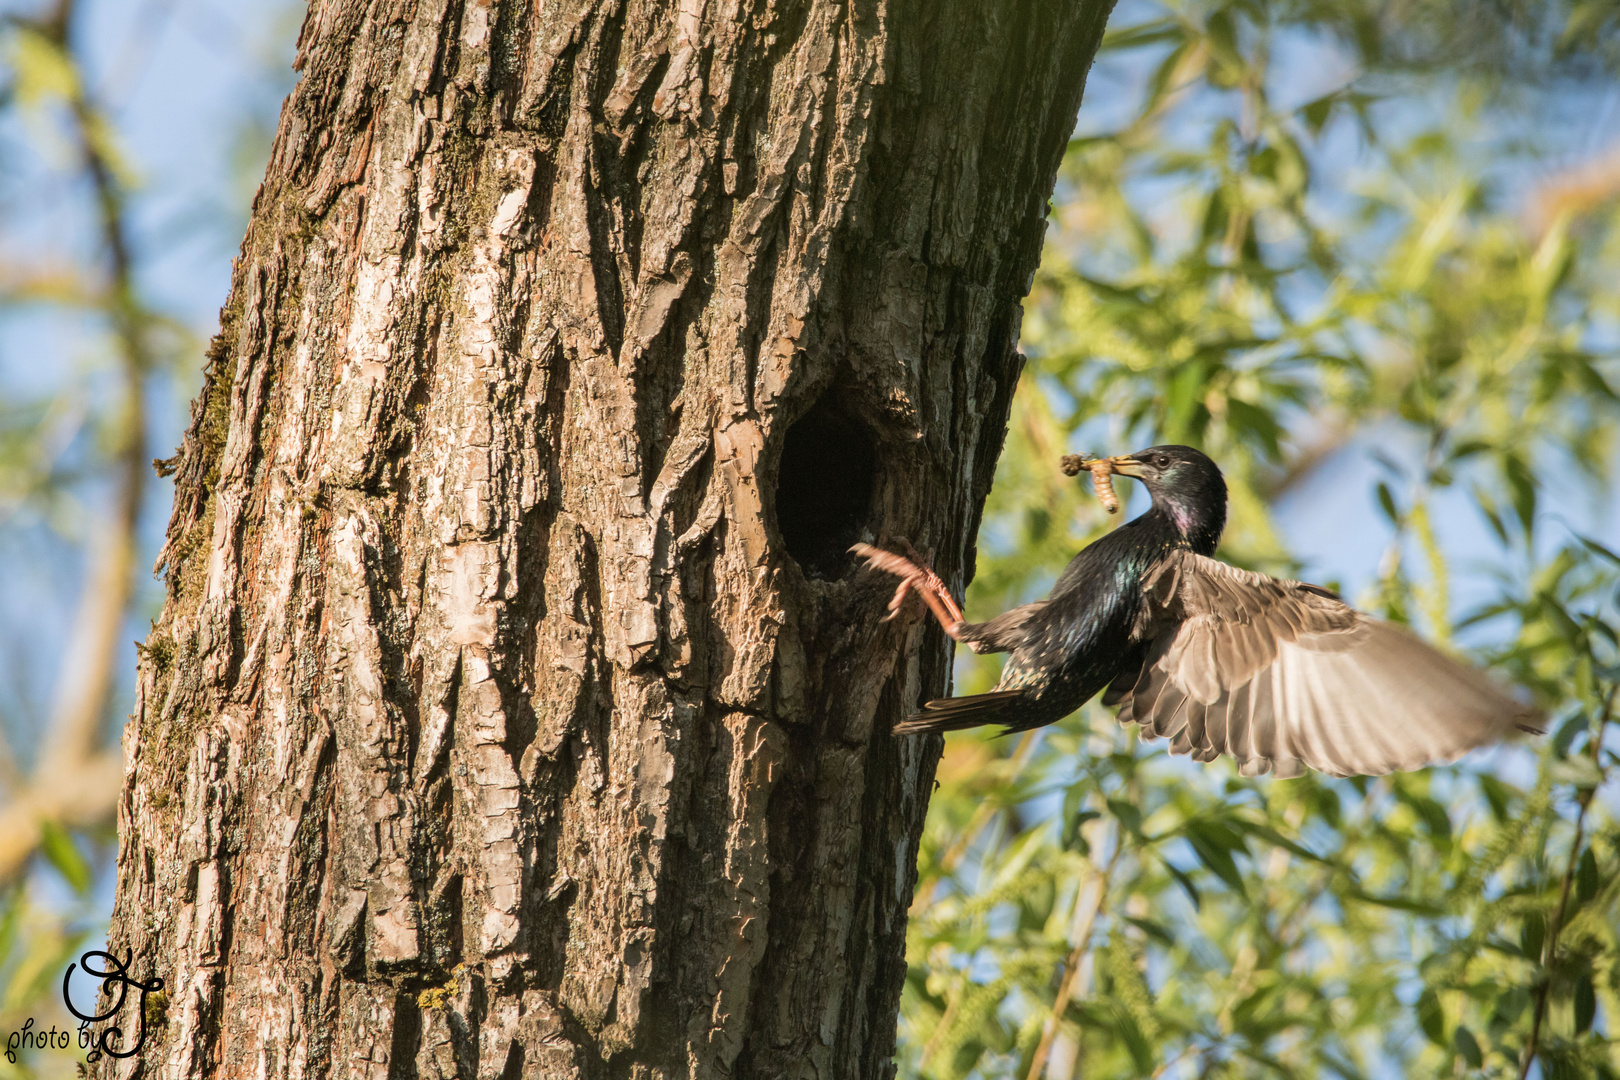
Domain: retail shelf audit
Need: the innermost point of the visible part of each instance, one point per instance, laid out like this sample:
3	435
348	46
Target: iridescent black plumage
1280	675
1090	630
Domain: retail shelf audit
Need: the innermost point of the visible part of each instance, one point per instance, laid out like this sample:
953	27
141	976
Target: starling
1280	675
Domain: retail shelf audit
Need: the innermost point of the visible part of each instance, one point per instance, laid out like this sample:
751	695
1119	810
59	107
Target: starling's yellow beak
1127	466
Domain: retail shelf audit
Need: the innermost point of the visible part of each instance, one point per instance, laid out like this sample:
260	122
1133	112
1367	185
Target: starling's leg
910	574
930	587
913	576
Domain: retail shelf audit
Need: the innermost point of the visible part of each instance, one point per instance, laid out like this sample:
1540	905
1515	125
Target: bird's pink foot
914	574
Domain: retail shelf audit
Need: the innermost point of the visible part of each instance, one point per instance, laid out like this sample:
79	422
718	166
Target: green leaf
1431	1018
1567	627
1272	836
1567	733
1582	772
1497	794
11	910
1510	1006
1547	267
1128	816
1522	487
1395	903
1160	84
1585	1004
1533	934
1215	216
1183	397
1436	236
1222	34
1483	614
1316	112
1386	503
1463	1041
1487	507
40	67
1257	422
1467	448
1146	33
1328	805
1186	884
61	852
1214	855
1076	818
1130	1034
1586	877
1433	815
1598	549
1152	929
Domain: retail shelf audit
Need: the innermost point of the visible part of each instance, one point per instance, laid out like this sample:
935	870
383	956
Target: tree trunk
516	710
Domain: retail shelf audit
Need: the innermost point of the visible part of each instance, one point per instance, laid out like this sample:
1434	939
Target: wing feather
1280	676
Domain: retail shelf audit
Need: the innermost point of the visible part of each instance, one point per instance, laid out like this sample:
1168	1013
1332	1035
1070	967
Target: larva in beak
1101	477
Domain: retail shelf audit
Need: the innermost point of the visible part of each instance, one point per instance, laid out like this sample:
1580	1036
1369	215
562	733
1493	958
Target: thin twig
1086	912
1172	1062
948	862
1550	950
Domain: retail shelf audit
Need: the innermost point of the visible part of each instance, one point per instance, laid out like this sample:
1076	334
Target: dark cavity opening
824	487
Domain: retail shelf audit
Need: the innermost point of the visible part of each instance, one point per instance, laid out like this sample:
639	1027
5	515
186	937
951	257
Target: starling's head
1186	486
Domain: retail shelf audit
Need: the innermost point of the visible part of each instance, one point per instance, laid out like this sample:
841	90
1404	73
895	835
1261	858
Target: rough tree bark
515	709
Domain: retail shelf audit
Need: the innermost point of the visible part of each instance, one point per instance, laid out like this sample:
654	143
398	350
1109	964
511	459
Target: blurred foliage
1286	278
72	466
37	943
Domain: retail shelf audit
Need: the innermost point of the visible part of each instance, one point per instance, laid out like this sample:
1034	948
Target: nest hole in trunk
824	487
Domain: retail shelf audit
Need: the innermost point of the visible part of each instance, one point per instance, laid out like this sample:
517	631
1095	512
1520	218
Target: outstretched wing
1281	675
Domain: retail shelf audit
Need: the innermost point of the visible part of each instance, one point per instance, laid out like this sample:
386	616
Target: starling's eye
1161	461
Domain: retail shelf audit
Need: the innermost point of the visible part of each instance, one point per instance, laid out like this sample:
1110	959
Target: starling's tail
953	714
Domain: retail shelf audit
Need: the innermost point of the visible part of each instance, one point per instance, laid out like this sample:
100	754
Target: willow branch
1550	949
1087	908
953	855
77	778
